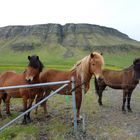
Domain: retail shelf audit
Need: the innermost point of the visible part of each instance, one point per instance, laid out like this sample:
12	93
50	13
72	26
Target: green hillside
61	46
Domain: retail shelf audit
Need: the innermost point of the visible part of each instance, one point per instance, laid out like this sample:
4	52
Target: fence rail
64	84
35	85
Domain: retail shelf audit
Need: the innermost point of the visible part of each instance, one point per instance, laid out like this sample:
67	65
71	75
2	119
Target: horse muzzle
29	79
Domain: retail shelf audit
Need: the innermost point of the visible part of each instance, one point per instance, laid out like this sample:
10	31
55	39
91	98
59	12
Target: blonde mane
82	66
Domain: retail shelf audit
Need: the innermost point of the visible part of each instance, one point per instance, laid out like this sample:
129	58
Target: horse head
34	68
96	64
136	65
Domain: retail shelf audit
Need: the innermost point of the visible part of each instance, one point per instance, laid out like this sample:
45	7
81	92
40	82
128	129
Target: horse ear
101	53
29	57
92	55
25	71
37	57
135	61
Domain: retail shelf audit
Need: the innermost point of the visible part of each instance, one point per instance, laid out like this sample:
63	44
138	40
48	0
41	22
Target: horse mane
35	62
129	68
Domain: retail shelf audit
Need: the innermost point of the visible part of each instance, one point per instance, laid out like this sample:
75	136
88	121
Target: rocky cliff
85	36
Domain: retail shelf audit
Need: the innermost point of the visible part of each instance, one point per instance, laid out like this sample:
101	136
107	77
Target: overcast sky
123	15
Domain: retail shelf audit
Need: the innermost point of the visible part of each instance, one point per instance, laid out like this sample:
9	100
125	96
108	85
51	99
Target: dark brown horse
125	79
29	76
89	65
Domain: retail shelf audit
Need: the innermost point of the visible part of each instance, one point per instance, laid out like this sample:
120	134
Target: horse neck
86	77
129	68
135	77
82	69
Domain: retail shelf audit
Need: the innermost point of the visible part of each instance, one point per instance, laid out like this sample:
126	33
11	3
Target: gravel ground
111	122
102	123
107	122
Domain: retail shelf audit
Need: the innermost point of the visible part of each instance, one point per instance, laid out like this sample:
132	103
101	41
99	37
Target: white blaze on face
29	79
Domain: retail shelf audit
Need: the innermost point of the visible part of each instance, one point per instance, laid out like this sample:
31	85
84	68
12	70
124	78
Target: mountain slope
84	36
57	44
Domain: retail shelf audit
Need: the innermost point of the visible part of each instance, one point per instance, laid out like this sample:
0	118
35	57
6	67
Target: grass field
18	61
59	126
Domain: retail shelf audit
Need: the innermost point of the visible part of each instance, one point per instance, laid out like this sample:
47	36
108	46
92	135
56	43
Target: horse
125	79
29	76
90	65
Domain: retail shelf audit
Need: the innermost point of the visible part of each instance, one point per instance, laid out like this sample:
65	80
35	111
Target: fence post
74	103
83	101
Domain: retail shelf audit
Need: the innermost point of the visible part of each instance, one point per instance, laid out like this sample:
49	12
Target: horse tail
4	97
96	86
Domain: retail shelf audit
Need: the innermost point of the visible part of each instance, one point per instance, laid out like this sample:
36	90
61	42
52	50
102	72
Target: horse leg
100	99
0	108
78	106
100	94
99	88
24	121
39	98
29	106
128	101
8	105
124	100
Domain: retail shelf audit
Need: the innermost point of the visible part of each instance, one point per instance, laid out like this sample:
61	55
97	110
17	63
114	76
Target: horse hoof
100	103
79	119
24	122
21	110
124	111
9	114
48	116
29	120
130	111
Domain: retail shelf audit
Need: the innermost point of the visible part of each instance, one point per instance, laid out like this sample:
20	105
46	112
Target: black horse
125	79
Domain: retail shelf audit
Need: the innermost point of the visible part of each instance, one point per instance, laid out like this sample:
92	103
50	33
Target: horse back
52	75
117	79
113	78
11	78
6	75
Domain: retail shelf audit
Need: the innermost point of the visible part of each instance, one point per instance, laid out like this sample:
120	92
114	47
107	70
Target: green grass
58	128
19	132
19	61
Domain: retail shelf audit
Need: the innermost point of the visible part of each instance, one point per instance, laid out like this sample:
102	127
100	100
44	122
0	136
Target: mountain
56	43
83	36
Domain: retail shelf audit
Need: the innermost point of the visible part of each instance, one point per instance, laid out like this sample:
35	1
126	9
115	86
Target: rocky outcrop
45	30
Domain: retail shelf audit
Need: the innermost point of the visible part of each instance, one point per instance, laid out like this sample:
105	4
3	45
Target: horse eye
93	64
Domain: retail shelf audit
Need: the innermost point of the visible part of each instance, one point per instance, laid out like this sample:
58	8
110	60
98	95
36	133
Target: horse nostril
28	80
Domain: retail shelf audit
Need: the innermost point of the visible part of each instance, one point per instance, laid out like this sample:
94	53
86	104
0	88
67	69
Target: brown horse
29	76
125	79
89	65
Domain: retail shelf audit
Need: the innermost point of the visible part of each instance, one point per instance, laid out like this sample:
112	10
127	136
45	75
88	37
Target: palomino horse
125	79
29	76
89	65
